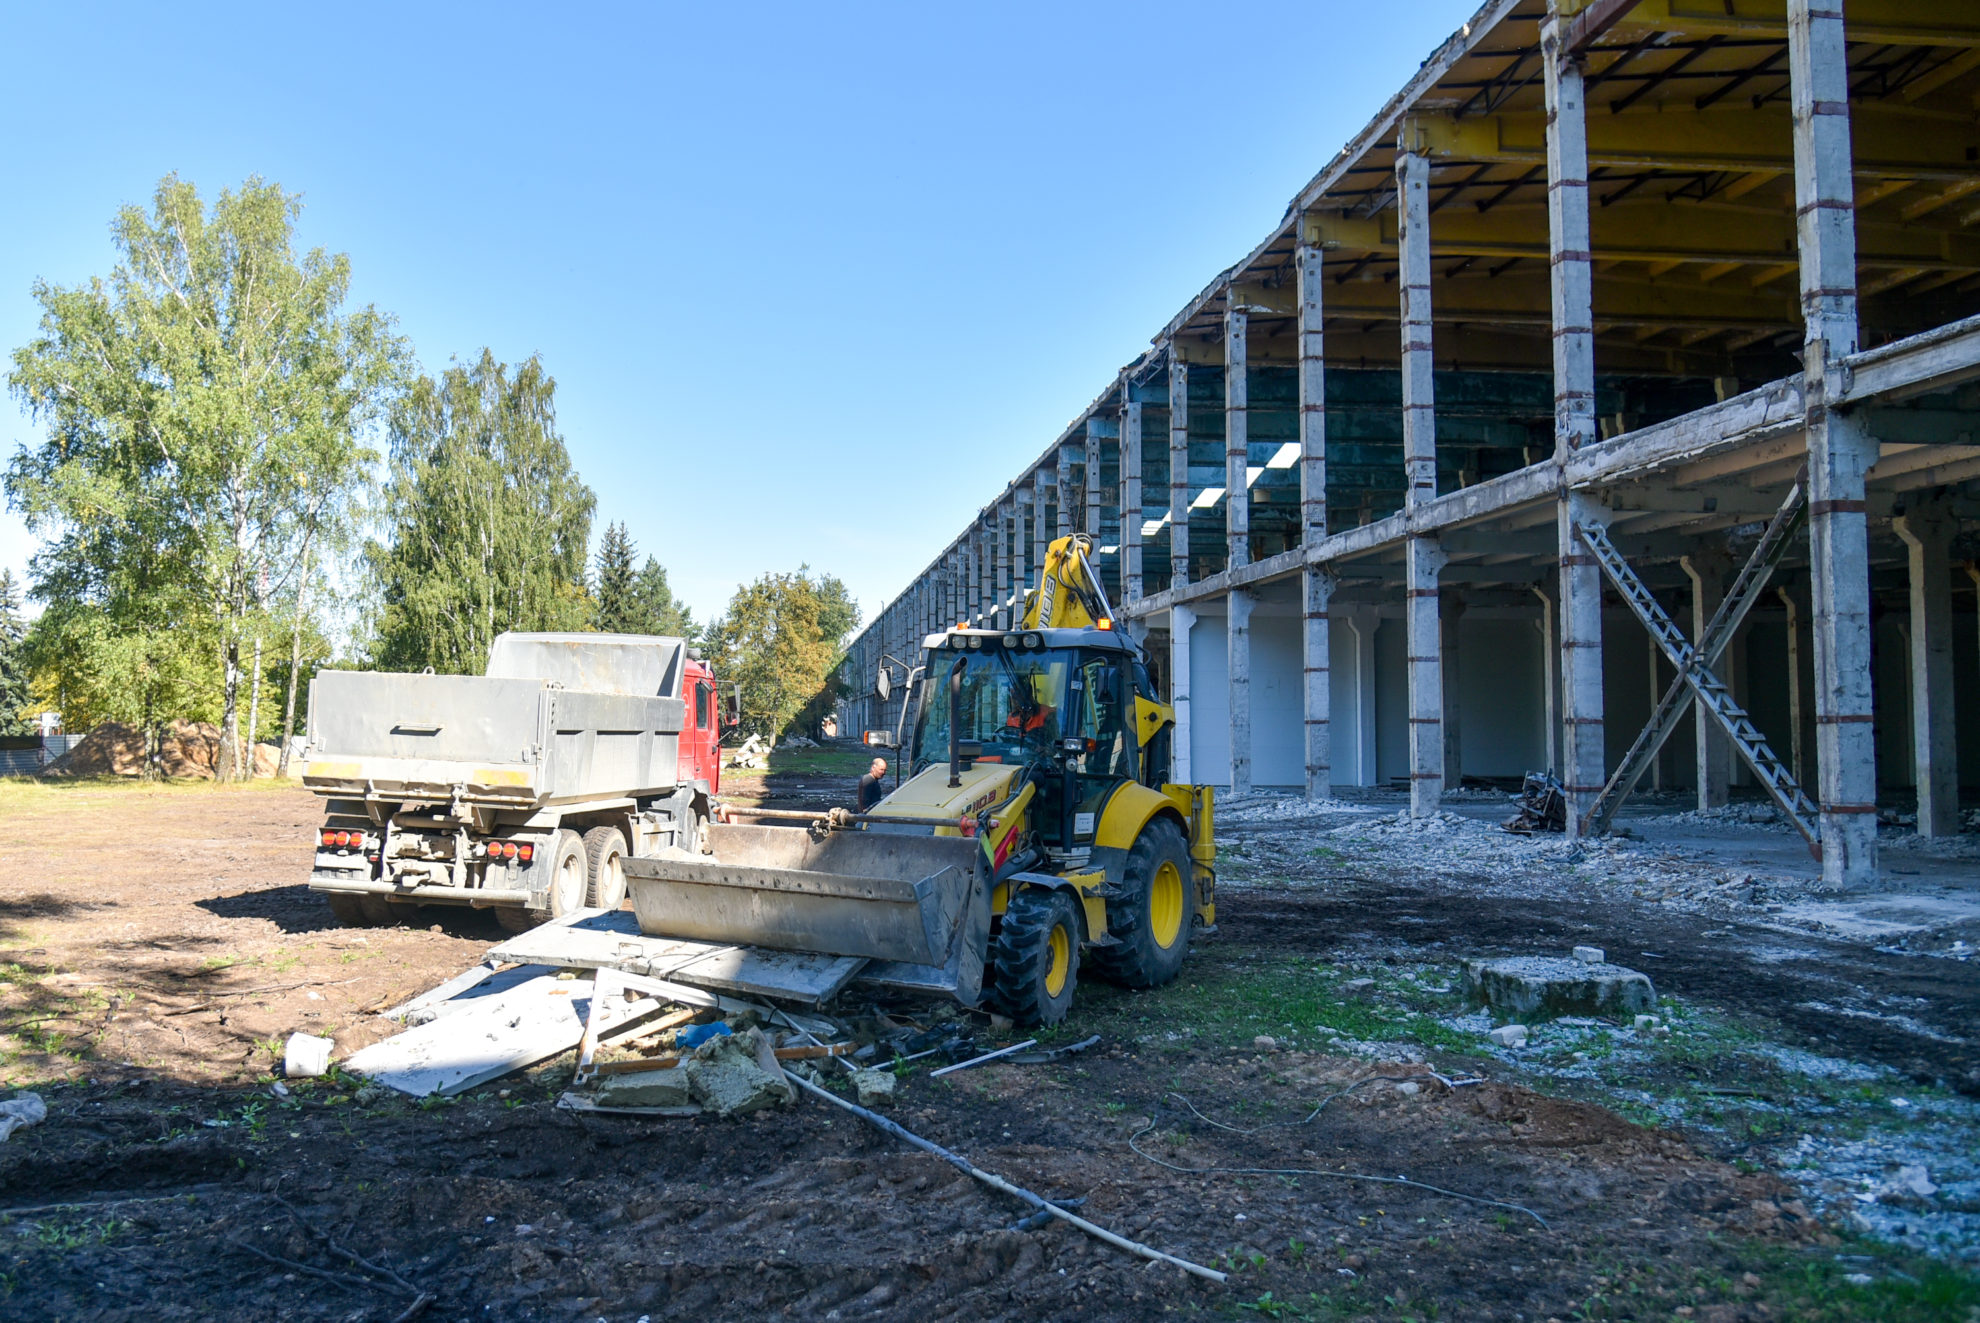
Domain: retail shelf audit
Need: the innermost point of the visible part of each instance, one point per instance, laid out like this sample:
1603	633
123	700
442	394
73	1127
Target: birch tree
212	394
488	523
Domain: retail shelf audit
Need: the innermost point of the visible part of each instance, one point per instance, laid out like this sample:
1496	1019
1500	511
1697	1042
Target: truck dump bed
558	718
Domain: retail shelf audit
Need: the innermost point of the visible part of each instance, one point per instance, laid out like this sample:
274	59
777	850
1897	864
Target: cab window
701	706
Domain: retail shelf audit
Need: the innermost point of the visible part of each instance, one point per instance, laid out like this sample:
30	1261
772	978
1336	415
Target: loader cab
1057	702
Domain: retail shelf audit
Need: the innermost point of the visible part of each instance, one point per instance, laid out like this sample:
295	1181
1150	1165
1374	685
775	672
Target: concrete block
1547	987
874	1088
1648	1024
725	1077
306	1056
1509	1035
669	1087
1591	955
1358	987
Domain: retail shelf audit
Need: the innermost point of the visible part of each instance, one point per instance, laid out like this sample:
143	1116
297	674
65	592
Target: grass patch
27	793
810	762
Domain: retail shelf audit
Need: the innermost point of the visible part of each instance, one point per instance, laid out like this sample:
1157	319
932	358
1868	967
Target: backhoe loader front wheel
1150	923
1036	957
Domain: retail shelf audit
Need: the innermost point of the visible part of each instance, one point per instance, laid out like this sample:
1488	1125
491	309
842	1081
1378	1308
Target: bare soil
159	944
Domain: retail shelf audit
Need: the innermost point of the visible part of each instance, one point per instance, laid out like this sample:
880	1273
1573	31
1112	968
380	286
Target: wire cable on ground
1135	1144
995	1182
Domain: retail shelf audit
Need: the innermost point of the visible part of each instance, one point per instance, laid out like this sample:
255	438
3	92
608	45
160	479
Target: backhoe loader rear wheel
1150	923
1036	957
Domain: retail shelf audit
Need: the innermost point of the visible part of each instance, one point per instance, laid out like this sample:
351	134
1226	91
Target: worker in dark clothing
873	786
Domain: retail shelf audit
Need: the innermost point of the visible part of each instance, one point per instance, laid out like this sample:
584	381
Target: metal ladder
1695	677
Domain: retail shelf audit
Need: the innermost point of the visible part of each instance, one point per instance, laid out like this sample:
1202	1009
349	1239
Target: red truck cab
701	732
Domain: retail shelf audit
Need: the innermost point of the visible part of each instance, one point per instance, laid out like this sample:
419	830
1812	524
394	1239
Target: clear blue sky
814	280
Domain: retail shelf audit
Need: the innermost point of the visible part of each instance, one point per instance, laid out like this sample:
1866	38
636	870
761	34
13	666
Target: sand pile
189	750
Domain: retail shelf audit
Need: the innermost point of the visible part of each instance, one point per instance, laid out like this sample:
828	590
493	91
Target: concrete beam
1130	502
1181	621
1179	493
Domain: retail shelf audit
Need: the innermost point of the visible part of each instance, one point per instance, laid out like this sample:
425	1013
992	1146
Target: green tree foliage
656	609
613	589
781	641
205	407
488	523
14	698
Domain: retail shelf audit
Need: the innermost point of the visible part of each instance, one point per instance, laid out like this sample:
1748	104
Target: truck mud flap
918	904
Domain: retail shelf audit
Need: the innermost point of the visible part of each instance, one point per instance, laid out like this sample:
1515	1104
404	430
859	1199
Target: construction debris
306	1056
669	1087
1548	987
987	1056
874	1087
737	1074
1542	806
21	1111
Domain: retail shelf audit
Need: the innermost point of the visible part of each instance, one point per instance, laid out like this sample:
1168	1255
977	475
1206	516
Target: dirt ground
157	946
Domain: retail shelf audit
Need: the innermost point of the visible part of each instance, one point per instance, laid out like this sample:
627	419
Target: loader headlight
976	641
1031	640
1010	640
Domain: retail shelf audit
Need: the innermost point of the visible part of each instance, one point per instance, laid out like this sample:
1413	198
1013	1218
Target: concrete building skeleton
1622	315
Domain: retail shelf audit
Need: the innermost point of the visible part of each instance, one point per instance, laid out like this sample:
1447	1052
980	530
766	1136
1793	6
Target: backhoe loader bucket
915	901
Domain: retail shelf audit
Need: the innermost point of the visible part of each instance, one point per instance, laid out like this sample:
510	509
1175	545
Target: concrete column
1364	622
1317	582
1181	621
1418	391
1840	451
1063	490
1797	755
1130	503
1707	571
1450	610
1005	533
1424	555
1928	536
1583	766
1024	572
1424	560
1096	433
1309	261
1041	527
1179	496
1237	635
985	607
1583	769
1237	437
1317	593
1550	681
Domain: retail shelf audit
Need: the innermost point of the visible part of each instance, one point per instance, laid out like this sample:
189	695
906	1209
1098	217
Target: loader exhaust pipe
955	722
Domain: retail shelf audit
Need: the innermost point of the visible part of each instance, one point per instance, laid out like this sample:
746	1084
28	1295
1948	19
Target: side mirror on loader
883	685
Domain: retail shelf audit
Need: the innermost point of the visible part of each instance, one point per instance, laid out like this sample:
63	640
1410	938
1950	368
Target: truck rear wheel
604	868
350	909
1150	923
1036	957
567	875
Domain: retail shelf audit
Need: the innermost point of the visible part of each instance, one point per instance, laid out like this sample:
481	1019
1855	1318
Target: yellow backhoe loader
1036	838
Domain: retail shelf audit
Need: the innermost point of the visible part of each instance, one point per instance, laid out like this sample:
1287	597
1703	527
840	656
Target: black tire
1150	924
516	919
350	909
604	868
1035	957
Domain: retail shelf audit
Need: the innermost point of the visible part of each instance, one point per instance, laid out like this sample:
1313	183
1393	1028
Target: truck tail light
525	852
508	849
329	838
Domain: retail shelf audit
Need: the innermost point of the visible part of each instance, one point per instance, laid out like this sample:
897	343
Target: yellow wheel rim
1060	968
1165	904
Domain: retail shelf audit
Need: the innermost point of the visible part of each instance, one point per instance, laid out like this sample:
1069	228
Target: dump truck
521	790
1037	837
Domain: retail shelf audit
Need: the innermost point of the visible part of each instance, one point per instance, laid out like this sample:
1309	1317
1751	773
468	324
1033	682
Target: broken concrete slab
306	1056
1509	1035
667	1087
874	1088
728	1075
1591	955
1547	987
483	1038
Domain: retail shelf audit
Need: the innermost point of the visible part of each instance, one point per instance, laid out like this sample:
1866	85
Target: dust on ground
159	944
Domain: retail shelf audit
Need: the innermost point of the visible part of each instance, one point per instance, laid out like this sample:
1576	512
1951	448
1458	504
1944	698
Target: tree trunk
295	659
254	709
228	764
